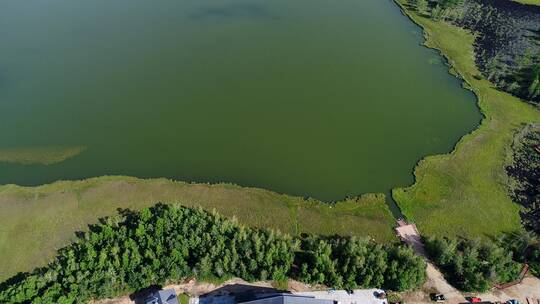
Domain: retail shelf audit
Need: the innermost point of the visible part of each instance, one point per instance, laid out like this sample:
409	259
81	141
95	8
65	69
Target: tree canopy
154	246
350	263
165	244
472	265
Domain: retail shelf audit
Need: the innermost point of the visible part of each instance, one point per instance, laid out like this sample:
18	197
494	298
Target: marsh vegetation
506	45
468	185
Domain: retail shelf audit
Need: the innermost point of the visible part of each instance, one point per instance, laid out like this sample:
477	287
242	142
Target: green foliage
437	12
23	247
350	263
525	173
534	87
506	48
449	4
420	6
394	297
525	246
167	243
472	265
460	193
156	245
405	269
443	8
184	299
534	260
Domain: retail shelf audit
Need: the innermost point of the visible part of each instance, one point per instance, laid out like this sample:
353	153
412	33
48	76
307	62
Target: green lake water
321	98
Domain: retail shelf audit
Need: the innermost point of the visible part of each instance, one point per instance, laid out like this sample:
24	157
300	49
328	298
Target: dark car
438	297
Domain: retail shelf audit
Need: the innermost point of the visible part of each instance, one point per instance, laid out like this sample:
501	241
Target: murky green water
325	98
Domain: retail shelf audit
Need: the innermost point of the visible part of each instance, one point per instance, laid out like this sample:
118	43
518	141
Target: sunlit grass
533	2
465	192
35	221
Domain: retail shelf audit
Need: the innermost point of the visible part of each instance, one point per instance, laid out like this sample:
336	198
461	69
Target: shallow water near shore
307	97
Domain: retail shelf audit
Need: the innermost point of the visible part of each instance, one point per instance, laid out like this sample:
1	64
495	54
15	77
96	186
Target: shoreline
444	185
61	209
452	178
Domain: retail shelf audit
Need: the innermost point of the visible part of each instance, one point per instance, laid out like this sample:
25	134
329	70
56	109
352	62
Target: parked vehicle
438	297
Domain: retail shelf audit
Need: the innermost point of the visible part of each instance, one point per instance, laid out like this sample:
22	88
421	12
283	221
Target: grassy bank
462	193
38	220
465	193
166	244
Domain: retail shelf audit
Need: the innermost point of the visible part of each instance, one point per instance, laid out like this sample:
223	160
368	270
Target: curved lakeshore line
464	192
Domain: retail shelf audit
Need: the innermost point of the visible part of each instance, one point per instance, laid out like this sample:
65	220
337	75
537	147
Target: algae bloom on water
48	155
310	97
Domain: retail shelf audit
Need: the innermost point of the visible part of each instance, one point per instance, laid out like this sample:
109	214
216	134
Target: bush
349	263
153	246
525	247
165	244
525	175
472	265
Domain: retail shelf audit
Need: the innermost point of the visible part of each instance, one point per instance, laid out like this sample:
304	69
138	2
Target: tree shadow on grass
127	217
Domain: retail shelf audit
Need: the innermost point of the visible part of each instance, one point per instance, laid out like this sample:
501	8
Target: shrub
349	263
472	265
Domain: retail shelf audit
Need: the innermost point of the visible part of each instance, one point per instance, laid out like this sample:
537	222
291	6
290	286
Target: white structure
358	296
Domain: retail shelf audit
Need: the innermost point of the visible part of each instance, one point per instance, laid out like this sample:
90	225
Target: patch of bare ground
528	289
527	292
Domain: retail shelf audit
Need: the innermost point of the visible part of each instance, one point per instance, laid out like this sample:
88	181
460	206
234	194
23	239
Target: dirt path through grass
435	279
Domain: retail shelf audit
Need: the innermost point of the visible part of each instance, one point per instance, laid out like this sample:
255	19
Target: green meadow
533	2
461	193
465	192
36	221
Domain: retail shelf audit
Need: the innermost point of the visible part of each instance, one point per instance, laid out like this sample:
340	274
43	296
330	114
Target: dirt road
528	289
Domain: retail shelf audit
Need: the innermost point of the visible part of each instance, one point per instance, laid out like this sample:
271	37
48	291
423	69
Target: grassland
36	221
462	193
532	2
48	155
465	192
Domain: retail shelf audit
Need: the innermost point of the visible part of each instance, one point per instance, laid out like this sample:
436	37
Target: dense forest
525	248
525	174
165	244
349	263
473	265
507	44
